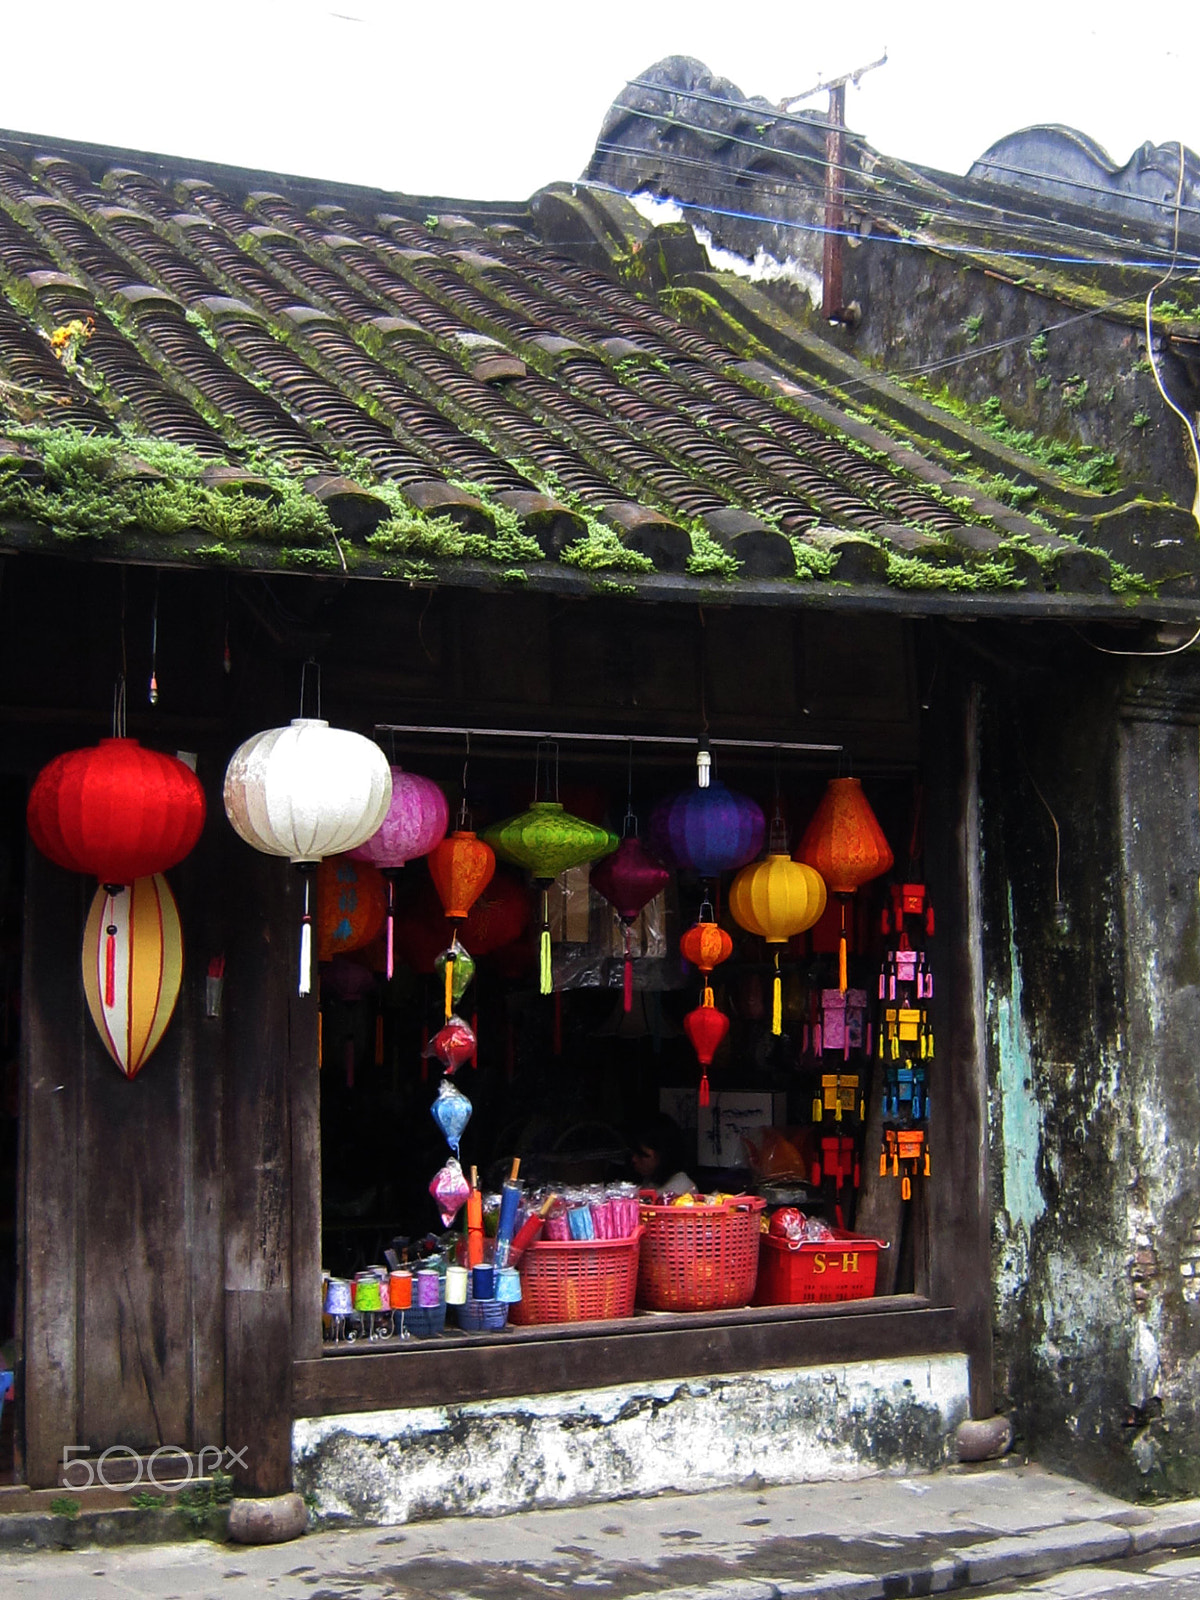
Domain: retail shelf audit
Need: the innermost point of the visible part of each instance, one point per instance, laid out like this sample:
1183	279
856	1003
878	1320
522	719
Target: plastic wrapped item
451	1111
579	1221
774	1156
557	1229
816	1231
450	1189
787	1223
623	1209
452	1045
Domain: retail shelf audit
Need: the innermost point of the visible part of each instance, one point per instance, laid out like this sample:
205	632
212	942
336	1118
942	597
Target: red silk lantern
500	915
461	867
629	879
116	811
846	845
351	905
706	1027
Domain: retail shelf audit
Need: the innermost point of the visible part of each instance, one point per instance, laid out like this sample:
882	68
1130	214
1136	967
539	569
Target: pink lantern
415	823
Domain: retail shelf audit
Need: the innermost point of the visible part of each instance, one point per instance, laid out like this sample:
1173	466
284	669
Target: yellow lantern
776	898
132	968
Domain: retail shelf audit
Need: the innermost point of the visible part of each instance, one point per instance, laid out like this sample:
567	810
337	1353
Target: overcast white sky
490	101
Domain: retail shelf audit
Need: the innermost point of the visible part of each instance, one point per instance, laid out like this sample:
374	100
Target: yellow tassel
927	1163
777	1003
843	981
449	987
708	996
906	1190
883	1163
818	1109
547	984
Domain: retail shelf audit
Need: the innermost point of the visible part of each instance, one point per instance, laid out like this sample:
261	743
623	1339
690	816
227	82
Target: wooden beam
538	1361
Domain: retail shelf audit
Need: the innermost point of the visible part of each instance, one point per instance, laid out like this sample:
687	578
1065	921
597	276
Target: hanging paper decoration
905	1041
546	840
455	968
451	1112
452	1045
450	1189
709	830
776	898
351	905
846	845
706	945
132	968
706	1027
629	879
461	867
116	811
307	791
415	822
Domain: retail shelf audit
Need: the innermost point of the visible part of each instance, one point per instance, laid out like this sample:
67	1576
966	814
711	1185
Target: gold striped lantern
132	968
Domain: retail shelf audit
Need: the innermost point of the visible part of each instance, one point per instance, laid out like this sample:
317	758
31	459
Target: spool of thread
429	1290
400	1291
456	1286
483	1282
338	1299
508	1285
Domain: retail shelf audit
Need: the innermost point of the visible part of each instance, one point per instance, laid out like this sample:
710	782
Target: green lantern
455	967
546	841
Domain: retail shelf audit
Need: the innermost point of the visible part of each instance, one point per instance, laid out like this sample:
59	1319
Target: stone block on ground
271	1521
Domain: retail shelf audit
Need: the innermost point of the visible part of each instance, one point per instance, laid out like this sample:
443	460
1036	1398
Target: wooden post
259	976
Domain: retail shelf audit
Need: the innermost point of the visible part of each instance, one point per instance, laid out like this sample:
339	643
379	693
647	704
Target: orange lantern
351	905
776	898
461	868
706	945
846	845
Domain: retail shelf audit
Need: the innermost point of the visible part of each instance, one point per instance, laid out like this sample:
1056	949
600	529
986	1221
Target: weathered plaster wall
784	1426
1093	1012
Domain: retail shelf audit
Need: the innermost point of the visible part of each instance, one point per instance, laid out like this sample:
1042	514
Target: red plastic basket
577	1280
699	1258
809	1274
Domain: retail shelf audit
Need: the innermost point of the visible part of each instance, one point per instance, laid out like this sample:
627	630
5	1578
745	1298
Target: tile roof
203	365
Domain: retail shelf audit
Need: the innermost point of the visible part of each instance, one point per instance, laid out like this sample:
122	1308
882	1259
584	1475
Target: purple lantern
416	821
709	830
629	879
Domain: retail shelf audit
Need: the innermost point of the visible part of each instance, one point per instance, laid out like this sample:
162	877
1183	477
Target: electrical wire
1148	655
817	120
924	207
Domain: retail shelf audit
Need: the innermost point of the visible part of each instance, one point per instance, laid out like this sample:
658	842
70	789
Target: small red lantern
116	811
706	1027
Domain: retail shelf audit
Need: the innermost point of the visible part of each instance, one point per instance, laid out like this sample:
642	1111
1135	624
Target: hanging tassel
110	962
704	1086
547	966
379	1038
449	986
708	995
929	922
305	986
391	926
777	1000
843	982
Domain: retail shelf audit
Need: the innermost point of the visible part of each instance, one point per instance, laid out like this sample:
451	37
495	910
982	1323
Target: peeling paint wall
1093	1012
786	1426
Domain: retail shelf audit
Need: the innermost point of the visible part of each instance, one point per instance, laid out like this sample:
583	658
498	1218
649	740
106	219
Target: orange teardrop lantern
132	963
846	845
461	868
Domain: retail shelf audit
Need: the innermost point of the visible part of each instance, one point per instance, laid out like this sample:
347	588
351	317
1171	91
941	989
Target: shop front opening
790	1172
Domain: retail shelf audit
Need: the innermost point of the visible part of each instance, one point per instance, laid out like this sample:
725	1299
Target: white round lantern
304	792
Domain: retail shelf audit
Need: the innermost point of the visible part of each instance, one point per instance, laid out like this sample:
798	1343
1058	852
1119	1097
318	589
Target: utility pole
832	300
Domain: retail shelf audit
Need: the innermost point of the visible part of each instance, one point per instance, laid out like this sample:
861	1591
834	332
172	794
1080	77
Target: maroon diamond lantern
629	879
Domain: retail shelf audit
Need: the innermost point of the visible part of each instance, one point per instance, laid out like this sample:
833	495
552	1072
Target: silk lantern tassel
843	979
628	971
305	985
777	1000
110	952
546	964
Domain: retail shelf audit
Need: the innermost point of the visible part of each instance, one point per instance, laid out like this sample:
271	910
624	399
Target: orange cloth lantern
461	868
351	905
776	898
706	945
846	845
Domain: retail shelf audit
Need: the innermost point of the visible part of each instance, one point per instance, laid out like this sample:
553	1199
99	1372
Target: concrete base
787	1426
